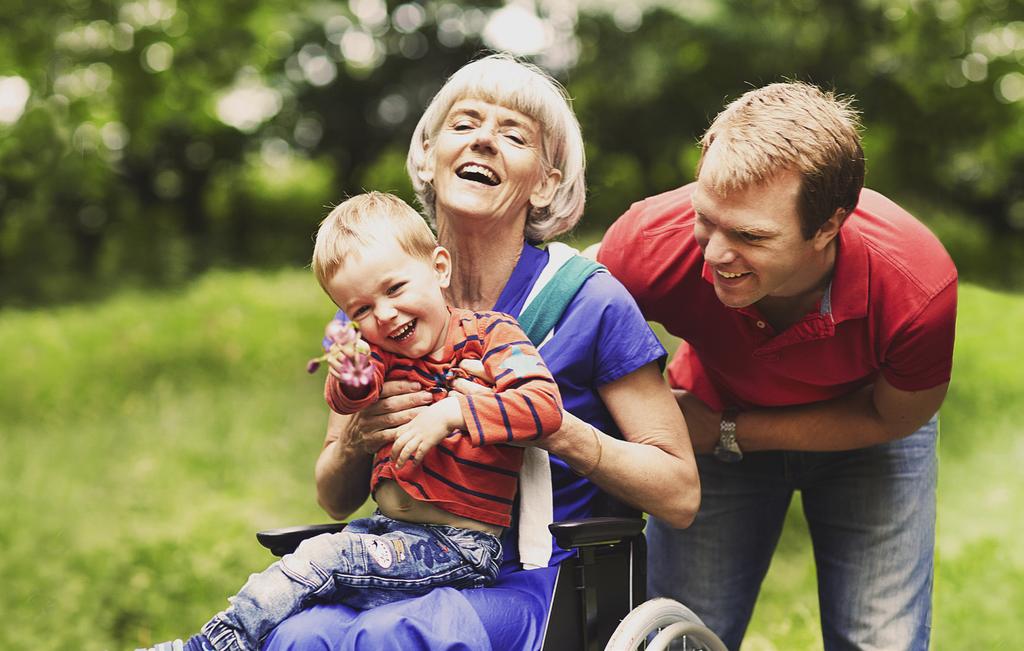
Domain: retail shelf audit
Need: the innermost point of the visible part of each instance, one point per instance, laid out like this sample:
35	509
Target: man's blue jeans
871	515
374	561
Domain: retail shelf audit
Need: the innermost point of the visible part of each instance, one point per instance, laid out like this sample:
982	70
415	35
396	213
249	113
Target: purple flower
340	332
343	346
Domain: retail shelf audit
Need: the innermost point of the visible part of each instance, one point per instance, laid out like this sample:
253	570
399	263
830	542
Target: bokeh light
248	104
317	68
408	18
158	57
516	29
361	49
1010	88
14	94
373	14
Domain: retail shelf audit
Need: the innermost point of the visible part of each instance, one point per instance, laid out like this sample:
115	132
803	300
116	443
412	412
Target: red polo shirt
890	309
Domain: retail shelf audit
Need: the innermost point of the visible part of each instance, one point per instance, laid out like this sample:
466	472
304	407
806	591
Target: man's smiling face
752	241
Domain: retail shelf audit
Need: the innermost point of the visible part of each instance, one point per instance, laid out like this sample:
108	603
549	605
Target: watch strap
728	448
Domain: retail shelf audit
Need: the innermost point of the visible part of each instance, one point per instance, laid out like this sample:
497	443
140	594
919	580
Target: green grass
143	440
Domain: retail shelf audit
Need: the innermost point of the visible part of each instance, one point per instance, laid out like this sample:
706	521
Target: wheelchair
600	597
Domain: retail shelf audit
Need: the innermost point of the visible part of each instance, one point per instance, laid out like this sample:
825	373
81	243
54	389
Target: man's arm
875	414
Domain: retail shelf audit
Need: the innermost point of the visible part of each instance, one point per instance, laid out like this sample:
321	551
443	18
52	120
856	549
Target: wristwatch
728	450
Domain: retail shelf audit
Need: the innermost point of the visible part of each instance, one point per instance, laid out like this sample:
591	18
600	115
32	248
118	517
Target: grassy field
143	441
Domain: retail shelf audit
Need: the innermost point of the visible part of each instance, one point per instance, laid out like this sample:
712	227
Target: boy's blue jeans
374	561
871	516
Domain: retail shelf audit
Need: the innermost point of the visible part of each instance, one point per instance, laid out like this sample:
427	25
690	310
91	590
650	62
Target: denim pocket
481	551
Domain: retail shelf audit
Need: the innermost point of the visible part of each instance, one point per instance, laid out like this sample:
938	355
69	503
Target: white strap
536	503
536	509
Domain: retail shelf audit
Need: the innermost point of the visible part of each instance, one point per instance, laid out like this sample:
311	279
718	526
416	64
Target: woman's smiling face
487	162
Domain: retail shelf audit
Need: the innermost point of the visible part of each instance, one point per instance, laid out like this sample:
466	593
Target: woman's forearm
654	468
342	471
657	481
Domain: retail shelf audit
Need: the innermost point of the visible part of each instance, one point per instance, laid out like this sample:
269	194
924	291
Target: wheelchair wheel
672	621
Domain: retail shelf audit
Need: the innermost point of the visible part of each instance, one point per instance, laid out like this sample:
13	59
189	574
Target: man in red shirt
818	324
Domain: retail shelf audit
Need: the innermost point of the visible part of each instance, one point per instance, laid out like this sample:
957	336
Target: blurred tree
159	138
162	137
940	85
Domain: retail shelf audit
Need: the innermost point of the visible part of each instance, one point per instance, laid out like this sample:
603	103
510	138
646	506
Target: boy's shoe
194	643
176	645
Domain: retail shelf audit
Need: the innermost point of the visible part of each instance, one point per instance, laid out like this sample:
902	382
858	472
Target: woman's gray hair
502	80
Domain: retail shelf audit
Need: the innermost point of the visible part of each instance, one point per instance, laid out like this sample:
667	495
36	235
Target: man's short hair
505	81
362	220
789	126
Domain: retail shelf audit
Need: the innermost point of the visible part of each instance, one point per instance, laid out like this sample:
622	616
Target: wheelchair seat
589	599
602	584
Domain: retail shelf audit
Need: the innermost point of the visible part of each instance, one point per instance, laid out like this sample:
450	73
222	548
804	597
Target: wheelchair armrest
595	531
568	533
284	541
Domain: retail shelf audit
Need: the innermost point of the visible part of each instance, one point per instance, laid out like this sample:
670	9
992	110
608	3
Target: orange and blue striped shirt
472	473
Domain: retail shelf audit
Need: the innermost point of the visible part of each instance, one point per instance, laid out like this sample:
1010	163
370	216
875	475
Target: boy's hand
347	355
429	428
355	373
476	368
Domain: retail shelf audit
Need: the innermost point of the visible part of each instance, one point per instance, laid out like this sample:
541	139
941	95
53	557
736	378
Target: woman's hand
344	465
377	425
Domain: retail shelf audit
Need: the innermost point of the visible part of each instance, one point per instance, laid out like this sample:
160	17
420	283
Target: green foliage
933	139
163	138
153	142
145	439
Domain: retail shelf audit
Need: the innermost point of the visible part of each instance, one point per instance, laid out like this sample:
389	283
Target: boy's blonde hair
789	126
365	219
503	80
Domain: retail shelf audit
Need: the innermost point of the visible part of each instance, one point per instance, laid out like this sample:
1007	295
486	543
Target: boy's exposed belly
395	503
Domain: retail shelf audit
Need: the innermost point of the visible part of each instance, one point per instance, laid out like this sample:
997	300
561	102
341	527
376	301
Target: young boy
438	518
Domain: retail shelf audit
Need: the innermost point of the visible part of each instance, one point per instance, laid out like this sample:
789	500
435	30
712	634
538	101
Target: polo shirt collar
849	295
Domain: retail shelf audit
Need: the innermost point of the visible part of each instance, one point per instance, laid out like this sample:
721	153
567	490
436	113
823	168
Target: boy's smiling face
395	298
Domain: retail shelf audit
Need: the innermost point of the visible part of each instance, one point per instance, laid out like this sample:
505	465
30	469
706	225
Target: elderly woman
497	163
